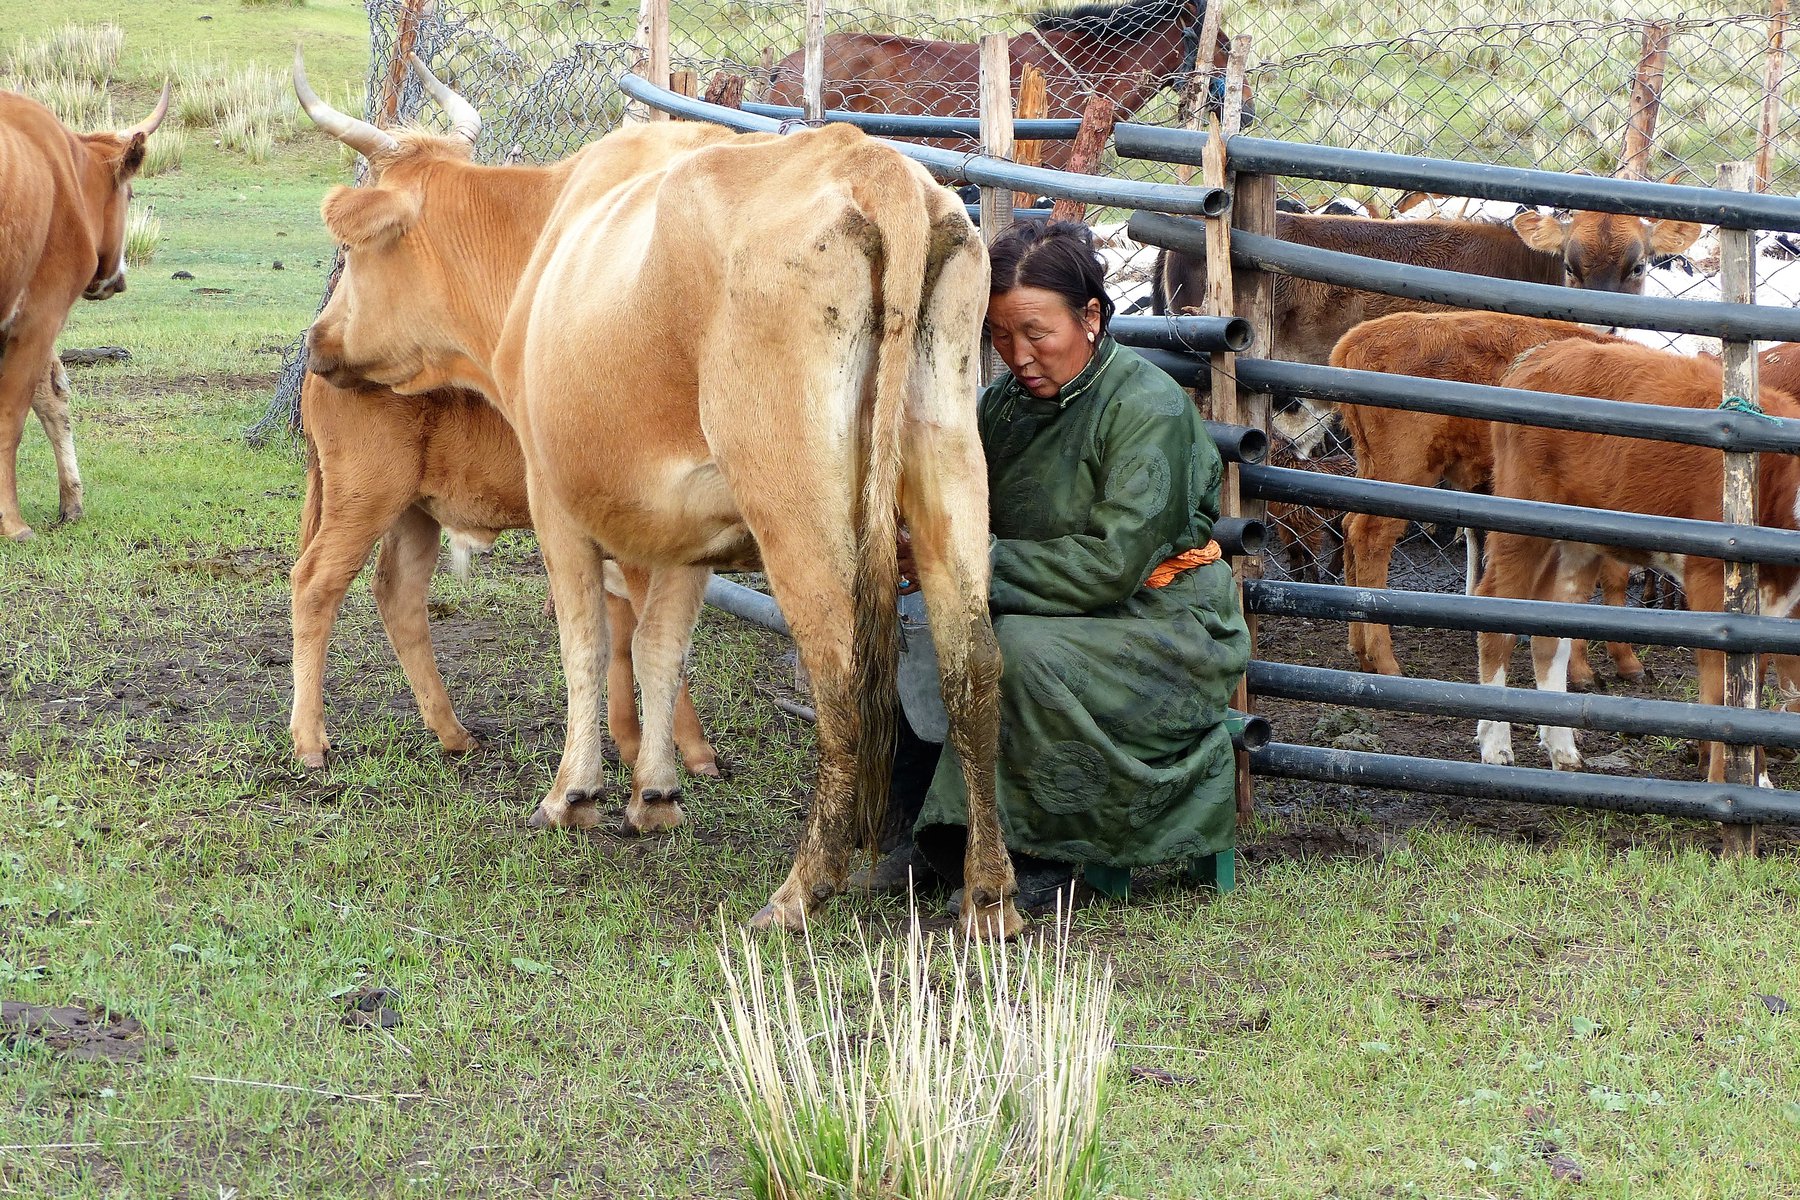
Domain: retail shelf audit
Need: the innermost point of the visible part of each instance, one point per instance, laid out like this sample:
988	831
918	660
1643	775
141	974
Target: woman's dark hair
1058	256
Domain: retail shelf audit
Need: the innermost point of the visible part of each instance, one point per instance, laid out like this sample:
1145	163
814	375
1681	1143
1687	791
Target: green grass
1438	1020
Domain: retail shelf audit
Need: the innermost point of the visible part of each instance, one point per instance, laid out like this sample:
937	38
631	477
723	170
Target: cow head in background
112	161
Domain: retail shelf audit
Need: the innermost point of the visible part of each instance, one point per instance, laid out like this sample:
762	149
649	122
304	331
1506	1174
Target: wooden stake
1034	104
653	28
404	41
684	83
1097	117
726	89
1774	68
996	142
1196	97
813	76
1737	285
1646	102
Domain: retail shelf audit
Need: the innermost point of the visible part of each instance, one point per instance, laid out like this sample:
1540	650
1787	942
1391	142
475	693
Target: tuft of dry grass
924	1070
143	235
86	52
164	151
77	102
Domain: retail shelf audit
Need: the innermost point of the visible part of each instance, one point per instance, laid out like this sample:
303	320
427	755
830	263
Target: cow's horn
355	133
148	125
465	122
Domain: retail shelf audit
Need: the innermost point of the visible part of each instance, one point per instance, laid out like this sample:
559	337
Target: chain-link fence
1486	82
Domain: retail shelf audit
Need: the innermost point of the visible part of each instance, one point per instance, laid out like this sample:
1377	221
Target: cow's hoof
460	742
653	811
770	917
577	810
991	922
708	768
313	760
23	534
69	516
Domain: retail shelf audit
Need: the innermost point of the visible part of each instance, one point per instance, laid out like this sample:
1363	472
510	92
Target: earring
1090	335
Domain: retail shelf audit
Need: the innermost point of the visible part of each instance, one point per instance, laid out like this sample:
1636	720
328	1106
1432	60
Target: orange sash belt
1169	568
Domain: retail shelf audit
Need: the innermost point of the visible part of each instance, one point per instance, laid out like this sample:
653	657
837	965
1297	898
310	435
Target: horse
1126	52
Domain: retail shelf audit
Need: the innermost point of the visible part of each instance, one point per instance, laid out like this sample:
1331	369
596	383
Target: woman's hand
909	573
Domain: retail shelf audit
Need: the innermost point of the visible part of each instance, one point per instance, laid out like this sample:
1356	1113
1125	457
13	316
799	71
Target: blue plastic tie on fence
1744	404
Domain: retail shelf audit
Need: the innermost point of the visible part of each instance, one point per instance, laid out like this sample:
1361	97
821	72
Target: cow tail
1159	295
903	229
312	508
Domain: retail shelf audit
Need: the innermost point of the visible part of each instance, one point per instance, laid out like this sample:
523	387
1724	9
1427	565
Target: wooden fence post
1774	67
406	37
653	36
1646	102
813	73
684	83
1034	104
1737	285
1248	294
996	142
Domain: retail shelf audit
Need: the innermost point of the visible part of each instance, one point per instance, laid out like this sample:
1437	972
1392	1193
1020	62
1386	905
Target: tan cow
710	345
398	469
1597	251
1426	449
63	197
1625	475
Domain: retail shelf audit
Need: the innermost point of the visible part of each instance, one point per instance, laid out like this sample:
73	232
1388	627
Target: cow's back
1601	471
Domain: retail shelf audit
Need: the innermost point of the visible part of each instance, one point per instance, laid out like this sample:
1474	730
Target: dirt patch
86	1031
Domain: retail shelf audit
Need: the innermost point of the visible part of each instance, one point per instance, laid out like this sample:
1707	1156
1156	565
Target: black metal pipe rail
1183	335
1238	443
1185	369
1709	318
1731	632
1717	428
1619	714
1733	802
1032	129
974	168
1534	518
1265	156
1019	214
1239	537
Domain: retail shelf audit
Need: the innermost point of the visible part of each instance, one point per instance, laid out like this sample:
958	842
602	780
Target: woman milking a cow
1119	630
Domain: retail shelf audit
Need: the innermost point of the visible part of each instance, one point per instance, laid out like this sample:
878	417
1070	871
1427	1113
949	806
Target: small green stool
1217	871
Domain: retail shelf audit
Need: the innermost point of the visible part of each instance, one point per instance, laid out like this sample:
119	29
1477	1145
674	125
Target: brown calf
396	469
1625	475
1425	449
62	237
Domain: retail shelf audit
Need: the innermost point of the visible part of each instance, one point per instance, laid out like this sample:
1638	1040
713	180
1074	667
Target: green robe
1113	747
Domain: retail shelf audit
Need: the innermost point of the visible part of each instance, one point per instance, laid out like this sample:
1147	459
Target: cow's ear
1672	237
1540	231
1412	200
368	215
131	158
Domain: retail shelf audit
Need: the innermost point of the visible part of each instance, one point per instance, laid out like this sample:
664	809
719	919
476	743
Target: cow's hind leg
23	358
1510	571
1568	579
577	582
322	574
659	656
51	403
945	505
1369	543
626	590
402	586
1615	578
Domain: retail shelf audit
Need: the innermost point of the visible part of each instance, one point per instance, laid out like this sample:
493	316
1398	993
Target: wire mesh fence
1487	82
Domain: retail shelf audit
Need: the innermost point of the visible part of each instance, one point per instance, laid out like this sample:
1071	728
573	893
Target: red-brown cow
63	197
1626	475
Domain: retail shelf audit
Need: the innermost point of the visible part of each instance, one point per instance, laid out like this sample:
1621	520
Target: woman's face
1041	341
